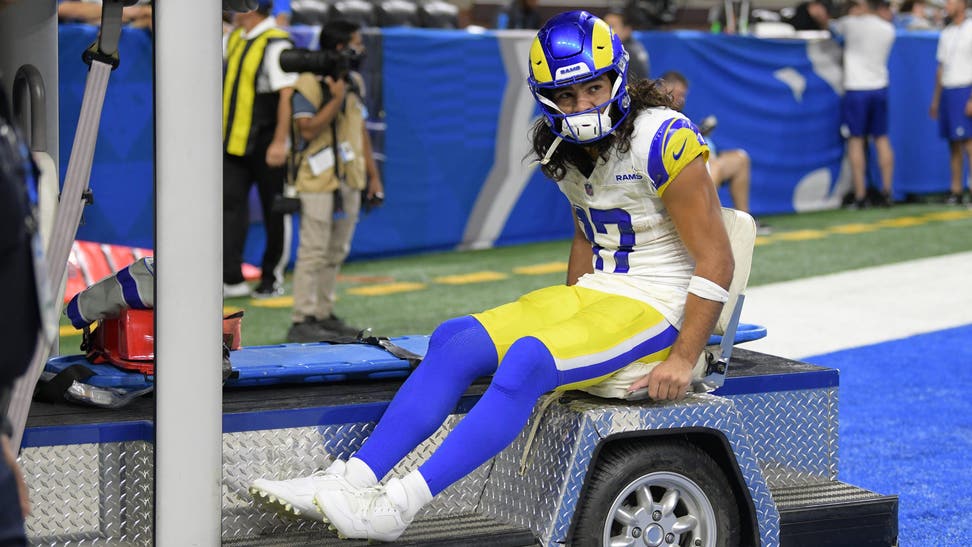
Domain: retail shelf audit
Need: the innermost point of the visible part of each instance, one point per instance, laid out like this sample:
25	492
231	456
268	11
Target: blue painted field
906	428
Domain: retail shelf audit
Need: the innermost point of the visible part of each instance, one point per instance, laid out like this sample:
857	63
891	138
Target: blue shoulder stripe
661	171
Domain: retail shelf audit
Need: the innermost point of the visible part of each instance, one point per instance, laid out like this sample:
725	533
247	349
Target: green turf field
411	295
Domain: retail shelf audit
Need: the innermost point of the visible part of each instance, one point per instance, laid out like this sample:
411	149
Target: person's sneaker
236	290
307	331
268	289
953	199
295	497
380	513
763	229
886	199
336	325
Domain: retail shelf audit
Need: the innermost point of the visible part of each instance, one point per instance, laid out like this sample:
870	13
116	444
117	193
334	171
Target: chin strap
550	151
601	115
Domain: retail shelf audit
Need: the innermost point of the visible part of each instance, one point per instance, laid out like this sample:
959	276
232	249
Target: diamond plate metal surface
287	453
794	434
822	492
103	493
276	454
90	493
530	499
544	498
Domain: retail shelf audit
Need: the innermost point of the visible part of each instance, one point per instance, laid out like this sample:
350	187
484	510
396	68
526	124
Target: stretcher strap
382	342
53	390
66	221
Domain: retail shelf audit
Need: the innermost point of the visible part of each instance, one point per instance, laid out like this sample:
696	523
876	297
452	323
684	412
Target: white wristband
703	288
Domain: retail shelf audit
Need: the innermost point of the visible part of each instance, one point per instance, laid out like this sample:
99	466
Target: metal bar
30	106
188	190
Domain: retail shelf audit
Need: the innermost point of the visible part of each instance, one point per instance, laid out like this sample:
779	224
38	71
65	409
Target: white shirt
955	54
867	45
638	252
271	77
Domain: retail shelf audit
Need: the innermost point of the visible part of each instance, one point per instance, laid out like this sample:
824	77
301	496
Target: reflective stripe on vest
243	60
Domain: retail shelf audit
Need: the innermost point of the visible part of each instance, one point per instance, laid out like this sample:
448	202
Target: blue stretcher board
319	362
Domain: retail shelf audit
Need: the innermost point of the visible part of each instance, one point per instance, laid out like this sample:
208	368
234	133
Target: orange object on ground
91	259
90	262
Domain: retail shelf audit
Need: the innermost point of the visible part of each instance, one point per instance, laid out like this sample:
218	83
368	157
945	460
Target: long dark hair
644	94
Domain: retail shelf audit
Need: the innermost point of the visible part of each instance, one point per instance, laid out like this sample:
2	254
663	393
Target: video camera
335	64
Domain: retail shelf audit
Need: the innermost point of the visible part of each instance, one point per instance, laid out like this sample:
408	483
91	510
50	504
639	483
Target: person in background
952	99
336	164
732	166
519	14
810	15
256	128
651	287
868	38
464	17
282	12
730	17
640	66
913	15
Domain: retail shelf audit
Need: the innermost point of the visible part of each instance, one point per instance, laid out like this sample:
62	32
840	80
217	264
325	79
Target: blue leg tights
528	371
460	350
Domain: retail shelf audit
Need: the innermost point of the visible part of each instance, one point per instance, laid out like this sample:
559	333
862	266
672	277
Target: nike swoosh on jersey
678	154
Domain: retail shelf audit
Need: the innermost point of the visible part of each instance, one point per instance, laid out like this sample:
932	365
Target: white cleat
379	513
295	497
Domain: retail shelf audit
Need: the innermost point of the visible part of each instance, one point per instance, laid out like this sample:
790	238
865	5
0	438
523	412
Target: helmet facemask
589	125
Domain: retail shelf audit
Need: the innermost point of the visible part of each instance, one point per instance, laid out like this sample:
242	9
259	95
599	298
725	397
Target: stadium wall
454	111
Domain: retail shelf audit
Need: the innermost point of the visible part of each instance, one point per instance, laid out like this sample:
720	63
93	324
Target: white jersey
637	251
955	54
867	44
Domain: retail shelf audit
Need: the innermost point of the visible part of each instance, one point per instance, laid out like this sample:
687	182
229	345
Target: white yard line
860	307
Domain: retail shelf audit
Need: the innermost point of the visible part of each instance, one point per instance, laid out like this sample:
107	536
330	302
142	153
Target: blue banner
458	114
123	170
780	101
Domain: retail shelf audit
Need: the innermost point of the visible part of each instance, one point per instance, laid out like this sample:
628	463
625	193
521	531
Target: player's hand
667	381
968	108
933	110
375	188
276	154
338	88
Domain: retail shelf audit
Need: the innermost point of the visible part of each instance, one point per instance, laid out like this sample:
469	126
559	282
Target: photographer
335	170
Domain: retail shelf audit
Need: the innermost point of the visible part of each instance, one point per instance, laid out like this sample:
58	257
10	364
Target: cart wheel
657	494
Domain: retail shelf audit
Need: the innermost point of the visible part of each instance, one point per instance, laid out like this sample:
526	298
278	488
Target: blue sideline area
444	106
906	428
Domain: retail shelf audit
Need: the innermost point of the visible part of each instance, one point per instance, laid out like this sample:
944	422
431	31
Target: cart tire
658	493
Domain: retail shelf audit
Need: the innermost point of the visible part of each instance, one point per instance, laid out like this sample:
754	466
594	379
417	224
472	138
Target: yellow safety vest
243	61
